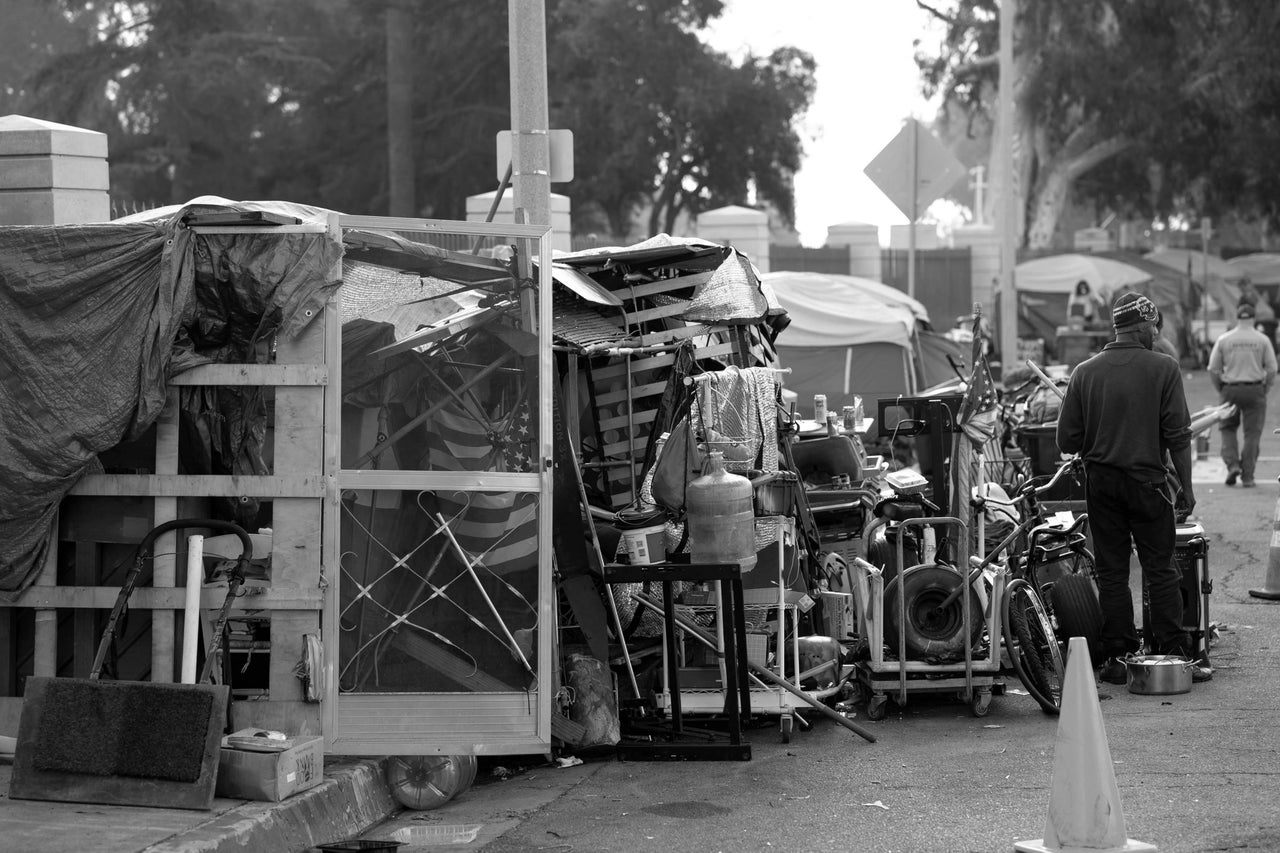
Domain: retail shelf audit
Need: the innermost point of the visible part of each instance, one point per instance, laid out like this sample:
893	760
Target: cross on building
979	186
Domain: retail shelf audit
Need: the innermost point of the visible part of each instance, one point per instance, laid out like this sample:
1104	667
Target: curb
353	797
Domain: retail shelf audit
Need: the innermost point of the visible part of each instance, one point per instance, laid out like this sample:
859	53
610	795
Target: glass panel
439	591
440	362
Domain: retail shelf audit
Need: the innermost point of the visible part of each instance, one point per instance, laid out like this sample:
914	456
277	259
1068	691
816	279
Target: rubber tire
1076	609
1032	647
930	634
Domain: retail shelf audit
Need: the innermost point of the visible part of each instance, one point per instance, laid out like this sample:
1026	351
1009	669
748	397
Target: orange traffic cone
1271	591
1084	804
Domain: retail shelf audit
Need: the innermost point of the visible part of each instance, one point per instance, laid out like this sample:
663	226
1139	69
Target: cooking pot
1159	675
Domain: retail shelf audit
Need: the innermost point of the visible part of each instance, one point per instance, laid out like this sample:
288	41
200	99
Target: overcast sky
867	84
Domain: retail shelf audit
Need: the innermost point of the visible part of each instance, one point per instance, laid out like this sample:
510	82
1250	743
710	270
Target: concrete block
23	135
54	207
48	171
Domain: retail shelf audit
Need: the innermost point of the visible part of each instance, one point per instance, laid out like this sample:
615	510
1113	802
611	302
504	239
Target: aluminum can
820	408
850	418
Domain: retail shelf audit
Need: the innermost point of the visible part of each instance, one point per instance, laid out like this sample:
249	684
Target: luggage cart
971	679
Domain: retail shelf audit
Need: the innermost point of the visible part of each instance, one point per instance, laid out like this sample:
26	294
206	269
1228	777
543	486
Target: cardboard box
273	776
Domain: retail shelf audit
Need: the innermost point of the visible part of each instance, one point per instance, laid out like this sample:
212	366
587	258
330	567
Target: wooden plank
45	662
8	666
638	392
164	564
171	598
661	312
211	485
297	523
666	285
84	638
639	419
254	374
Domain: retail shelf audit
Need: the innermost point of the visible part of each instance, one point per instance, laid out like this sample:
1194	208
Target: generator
1191	557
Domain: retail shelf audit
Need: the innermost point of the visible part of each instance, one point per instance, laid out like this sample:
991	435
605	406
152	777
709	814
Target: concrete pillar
926	236
863	242
561	228
52	174
1092	240
742	228
984	262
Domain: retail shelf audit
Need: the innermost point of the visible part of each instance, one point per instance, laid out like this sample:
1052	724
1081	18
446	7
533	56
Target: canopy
827	310
850	336
1060	273
1263	268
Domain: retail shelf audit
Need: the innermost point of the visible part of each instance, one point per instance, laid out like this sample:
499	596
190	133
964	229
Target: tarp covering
94	319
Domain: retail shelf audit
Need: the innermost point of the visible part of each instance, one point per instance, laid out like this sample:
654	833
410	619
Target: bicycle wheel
1077	611
1033	648
931	631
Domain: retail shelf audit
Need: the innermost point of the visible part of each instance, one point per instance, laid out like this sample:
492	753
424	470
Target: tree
1129	105
290	100
668	122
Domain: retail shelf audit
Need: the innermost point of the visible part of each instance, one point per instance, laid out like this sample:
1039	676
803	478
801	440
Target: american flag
978	408
501	528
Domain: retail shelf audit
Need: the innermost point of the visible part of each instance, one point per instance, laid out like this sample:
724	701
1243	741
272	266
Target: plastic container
645	546
425	782
359	844
721	516
445	833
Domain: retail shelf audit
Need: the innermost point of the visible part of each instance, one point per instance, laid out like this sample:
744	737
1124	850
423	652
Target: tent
1209	272
1045	284
1263	268
849	336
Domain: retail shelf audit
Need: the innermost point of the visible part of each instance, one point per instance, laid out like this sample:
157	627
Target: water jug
720	516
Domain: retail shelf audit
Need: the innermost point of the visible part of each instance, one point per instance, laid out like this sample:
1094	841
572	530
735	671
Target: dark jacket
1125	407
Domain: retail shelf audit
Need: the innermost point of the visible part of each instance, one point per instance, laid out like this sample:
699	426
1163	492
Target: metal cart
972	678
769	613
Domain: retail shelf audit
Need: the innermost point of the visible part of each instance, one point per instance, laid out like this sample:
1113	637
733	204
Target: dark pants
1251	413
1124	513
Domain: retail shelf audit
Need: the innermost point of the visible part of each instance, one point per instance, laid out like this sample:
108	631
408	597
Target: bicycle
1051	595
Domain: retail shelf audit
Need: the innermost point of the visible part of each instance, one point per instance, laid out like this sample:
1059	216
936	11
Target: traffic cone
1084	803
1271	591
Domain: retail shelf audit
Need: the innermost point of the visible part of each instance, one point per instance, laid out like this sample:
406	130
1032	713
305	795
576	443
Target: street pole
1008	212
530	143
915	195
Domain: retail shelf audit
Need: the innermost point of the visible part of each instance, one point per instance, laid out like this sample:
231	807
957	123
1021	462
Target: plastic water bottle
721	516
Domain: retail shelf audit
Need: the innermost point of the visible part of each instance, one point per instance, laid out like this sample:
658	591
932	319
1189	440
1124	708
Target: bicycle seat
899	510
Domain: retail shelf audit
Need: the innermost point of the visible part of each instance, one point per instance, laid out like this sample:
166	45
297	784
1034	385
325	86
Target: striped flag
500	529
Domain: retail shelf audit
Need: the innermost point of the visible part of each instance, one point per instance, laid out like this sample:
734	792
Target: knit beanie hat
1131	308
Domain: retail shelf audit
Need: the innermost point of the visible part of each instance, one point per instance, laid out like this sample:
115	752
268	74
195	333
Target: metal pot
1159	675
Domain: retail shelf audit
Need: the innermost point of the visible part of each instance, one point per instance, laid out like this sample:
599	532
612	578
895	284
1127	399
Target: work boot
1232	474
1200	670
1200	673
1114	671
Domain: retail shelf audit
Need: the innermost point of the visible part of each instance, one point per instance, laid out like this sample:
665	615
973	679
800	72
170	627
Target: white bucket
644	546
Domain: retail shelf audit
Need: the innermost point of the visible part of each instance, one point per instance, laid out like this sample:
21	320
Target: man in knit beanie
1124	409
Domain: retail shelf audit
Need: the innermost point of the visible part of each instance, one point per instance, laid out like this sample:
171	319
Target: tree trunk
400	161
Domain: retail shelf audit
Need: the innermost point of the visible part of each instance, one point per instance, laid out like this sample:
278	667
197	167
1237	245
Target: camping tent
1045	284
854	336
1263	268
1203	269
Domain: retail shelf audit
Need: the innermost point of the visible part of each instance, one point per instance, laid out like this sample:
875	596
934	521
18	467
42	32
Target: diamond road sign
936	169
